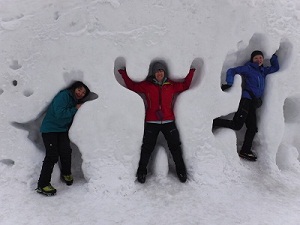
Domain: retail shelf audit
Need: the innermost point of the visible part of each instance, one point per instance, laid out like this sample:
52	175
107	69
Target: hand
225	87
122	71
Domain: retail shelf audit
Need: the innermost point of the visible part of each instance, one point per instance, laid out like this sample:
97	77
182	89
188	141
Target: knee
175	146
148	144
67	152
237	125
148	147
253	130
51	159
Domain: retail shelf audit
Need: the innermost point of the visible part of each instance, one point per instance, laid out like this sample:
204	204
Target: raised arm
130	84
274	65
182	86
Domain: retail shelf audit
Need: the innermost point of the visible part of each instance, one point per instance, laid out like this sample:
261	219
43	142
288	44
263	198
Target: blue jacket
60	113
253	76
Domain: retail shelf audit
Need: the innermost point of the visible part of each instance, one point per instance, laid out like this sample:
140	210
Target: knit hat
158	66
255	53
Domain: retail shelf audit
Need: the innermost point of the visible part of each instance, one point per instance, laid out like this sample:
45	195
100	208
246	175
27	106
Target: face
159	75
259	59
80	92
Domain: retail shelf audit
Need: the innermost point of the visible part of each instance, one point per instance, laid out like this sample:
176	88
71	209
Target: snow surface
45	44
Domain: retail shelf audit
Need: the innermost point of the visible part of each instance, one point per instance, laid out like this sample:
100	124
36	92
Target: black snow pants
171	135
57	147
246	114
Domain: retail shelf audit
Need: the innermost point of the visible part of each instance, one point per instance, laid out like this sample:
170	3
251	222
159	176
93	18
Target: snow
45	44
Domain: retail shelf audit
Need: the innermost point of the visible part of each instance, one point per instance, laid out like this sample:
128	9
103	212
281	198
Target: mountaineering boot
141	175
48	190
248	155
68	179
182	176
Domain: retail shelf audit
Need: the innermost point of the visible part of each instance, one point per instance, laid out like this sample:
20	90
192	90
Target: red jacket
159	97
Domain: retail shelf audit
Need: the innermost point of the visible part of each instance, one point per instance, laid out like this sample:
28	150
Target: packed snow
47	44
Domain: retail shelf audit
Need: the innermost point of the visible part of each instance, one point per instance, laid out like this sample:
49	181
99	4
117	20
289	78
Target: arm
60	106
130	84
274	65
233	71
182	86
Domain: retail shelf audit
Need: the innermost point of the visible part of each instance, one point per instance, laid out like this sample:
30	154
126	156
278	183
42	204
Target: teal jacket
60	114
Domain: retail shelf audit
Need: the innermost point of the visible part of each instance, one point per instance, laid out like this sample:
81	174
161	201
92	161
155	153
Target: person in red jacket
159	92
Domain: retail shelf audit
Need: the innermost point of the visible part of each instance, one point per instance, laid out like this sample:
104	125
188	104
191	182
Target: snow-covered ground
45	44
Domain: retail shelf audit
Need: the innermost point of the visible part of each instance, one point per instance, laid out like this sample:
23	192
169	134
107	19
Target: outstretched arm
233	71
130	84
182	86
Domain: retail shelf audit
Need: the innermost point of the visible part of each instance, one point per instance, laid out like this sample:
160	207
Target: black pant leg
239	117
251	124
219	122
171	134
65	153
51	144
151	132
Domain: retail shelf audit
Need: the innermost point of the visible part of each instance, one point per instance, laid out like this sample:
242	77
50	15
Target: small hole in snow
7	162
28	93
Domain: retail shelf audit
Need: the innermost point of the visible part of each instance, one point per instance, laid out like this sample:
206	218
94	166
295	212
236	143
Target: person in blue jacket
253	75
55	133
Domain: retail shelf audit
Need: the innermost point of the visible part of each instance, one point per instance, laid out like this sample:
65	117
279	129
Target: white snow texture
46	44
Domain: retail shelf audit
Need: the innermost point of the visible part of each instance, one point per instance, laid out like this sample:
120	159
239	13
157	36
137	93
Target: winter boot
48	190
141	175
181	174
248	155
68	179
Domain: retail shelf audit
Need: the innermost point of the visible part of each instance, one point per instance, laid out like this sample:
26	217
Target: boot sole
69	183
46	194
247	158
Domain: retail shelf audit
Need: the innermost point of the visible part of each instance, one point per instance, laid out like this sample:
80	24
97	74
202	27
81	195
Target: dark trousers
171	134
57	147
246	114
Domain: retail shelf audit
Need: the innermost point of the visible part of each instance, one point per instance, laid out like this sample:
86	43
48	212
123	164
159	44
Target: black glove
225	87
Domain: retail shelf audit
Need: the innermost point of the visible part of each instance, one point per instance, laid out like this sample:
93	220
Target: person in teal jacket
254	75
55	133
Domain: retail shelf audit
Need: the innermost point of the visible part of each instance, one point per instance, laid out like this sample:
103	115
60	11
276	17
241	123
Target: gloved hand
122	71
225	87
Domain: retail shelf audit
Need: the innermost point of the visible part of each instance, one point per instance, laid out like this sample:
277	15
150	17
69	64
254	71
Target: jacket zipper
160	101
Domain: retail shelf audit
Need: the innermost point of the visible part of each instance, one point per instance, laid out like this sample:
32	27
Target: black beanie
255	53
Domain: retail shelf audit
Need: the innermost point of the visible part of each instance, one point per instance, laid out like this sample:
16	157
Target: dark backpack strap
251	94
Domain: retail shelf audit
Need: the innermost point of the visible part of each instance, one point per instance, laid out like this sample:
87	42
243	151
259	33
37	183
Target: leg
251	124
171	134
239	117
65	153
51	145
151	132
